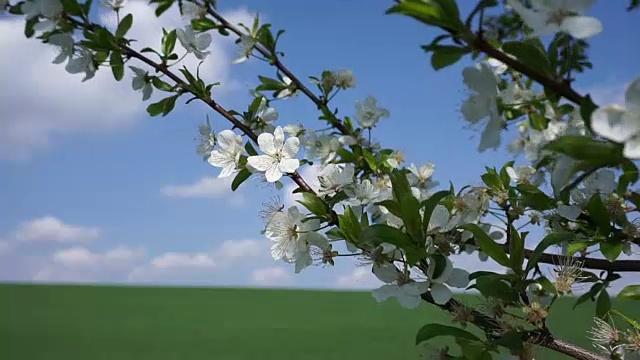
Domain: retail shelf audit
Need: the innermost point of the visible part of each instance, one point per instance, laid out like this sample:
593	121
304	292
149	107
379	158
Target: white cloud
36	110
174	266
80	257
5	247
273	276
49	228
173	260
79	264
207	187
359	278
232	252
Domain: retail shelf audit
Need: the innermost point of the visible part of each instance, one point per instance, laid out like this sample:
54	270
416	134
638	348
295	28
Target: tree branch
538	337
335	122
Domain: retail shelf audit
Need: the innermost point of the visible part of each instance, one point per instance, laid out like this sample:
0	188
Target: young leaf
124	26
549	240
434	330
447	55
313	204
631	292
487	244
241	177
117	65
603	305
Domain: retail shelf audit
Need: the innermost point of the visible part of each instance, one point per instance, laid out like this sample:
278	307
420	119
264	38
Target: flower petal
273	173
459	278
384	292
291	147
632	97
385	272
581	27
262	162
278	138
288	165
228	139
441	294
303	260
266	142
409	301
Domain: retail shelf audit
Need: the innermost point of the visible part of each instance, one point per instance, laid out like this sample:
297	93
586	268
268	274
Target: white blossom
362	193
547	17
422	177
194	42
451	276
344	79
82	63
334	178
115	4
49	9
482	103
408	295
368	113
227	155
65	44
619	124
324	147
280	155
290	90
522	174
192	11
141	82
246	45
293	238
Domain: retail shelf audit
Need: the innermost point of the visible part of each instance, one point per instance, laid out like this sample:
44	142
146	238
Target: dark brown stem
558	86
335	122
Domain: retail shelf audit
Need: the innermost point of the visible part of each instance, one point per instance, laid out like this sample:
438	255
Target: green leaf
434	330
429	12
603	305
169	42
549	240
250	149
611	249
492	179
495	287
511	340
409	206
350	226
628	177
487	244
313	204
241	177
203	24
516	250
589	295
588	149
587	107
381	233
72	7
529	52
447	55
631	292
161	85
117	65
534	198
124	26
537	121
630	321
163	106
599	215
430	204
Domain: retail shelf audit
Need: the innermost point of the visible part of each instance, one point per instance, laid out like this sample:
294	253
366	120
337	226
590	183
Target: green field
147	323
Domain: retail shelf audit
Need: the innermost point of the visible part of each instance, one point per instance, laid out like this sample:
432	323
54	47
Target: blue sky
87	157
